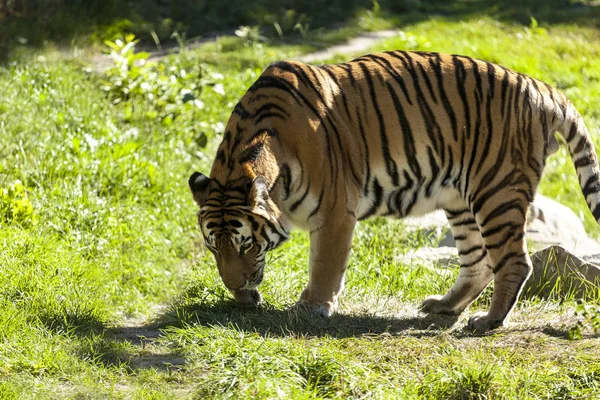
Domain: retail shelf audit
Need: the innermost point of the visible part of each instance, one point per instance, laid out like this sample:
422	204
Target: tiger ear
199	187
258	191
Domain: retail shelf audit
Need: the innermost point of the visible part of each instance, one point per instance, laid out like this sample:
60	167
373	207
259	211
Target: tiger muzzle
247	297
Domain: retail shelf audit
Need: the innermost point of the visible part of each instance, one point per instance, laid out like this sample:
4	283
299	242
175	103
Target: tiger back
388	134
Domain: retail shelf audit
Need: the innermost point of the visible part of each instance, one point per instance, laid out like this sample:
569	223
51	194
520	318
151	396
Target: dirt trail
354	45
144	334
357	44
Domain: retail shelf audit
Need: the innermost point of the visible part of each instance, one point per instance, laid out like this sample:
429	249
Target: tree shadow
62	21
520	11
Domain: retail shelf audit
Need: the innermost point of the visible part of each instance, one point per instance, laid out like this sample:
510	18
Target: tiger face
230	241
238	229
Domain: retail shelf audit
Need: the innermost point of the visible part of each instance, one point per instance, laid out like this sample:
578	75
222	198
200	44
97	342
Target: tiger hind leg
475	272
502	227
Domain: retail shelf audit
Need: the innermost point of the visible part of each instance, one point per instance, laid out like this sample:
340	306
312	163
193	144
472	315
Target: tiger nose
234	283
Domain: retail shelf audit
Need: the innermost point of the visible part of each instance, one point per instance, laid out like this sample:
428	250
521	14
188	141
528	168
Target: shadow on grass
78	323
131	348
134	348
268	321
138	347
582	12
564	333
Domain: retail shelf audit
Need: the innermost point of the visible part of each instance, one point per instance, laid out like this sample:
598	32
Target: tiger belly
402	202
443	198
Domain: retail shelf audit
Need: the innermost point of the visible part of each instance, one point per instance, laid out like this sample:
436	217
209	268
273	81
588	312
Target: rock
556	271
559	272
433	220
433	223
566	264
552	224
440	256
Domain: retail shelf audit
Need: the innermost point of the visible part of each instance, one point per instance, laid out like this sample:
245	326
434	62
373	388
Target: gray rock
439	256
567	261
433	223
556	271
552	224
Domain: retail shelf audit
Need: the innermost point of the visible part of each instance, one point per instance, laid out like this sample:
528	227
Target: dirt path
354	45
144	334
357	44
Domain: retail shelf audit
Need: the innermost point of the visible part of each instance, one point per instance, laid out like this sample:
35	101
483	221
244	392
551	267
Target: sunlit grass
112	234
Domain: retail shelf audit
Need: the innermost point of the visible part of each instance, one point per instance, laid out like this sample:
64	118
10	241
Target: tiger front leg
329	253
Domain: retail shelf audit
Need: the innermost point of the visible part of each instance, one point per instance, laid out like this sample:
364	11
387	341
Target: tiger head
239	226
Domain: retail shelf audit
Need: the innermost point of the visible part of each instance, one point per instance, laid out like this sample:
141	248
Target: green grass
105	291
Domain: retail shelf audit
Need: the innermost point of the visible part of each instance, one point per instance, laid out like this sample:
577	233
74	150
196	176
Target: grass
106	293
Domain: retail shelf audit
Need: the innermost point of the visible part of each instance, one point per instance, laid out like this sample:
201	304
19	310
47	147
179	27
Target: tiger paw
247	297
320	305
323	309
481	322
435	305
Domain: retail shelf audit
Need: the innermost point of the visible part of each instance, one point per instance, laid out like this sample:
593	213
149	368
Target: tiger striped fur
395	134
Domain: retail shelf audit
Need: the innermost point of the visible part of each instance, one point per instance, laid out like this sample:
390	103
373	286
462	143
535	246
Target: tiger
398	133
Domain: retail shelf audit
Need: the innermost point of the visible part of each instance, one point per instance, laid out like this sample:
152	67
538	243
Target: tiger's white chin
247	297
